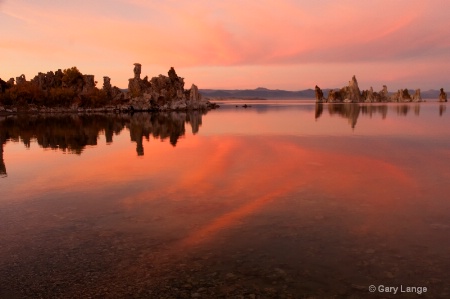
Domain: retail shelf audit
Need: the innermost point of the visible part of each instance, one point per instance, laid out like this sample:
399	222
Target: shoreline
8	110
124	109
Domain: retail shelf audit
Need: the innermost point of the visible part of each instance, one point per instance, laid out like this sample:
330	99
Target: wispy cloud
202	33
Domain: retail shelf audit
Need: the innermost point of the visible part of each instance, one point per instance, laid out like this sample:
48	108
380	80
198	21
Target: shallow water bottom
227	216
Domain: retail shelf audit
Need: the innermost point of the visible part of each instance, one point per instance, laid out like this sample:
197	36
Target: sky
233	44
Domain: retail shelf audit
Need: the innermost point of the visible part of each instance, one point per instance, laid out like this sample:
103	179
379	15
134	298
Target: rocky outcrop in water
352	94
384	94
163	93
417	97
72	91
113	93
369	96
319	95
347	94
334	96
442	96
62	89
401	96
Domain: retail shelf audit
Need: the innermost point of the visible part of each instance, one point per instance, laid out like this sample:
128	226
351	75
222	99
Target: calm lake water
284	199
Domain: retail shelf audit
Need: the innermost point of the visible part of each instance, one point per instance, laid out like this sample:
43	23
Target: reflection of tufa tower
2	163
319	110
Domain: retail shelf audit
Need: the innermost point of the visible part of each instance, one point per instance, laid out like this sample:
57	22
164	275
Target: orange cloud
111	35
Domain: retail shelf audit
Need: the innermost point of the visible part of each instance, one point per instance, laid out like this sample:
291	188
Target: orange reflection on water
230	218
234	176
238	177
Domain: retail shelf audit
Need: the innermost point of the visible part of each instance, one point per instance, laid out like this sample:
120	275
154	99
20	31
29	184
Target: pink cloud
105	37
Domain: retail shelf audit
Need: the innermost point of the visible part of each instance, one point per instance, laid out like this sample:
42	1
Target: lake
283	199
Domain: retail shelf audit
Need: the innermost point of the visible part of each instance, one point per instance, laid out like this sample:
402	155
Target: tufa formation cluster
72	91
163	93
352	94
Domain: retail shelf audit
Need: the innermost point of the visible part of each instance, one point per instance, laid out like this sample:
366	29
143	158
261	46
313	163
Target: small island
71	91
352	94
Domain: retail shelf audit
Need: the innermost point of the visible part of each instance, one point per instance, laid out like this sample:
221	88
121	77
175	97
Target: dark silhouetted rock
334	96
404	95
48	80
134	87
442	96
194	95
352	94
137	70
173	75
88	84
117	95
70	90
21	79
3	86
114	94
164	93
107	84
319	95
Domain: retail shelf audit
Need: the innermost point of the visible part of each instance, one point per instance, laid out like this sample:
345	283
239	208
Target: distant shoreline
125	109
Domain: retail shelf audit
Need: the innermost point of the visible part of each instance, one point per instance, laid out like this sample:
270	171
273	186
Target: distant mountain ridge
259	92
265	93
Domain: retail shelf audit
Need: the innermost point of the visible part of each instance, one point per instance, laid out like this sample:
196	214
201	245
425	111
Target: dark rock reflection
72	133
352	111
402	110
442	109
3	138
319	110
349	111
